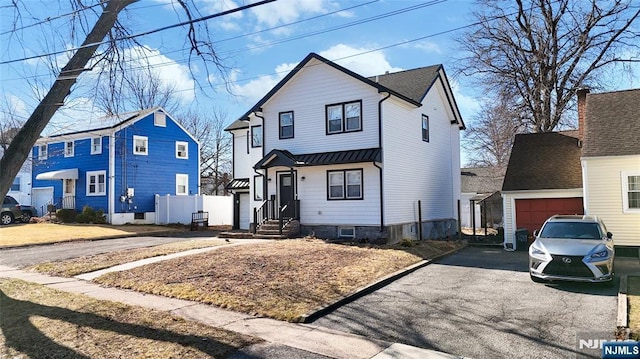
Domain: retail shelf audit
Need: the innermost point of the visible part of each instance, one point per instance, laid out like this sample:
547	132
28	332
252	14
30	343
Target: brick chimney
582	110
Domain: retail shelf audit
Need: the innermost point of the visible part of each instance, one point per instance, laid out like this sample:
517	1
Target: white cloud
468	105
255	89
366	64
428	47
14	107
284	11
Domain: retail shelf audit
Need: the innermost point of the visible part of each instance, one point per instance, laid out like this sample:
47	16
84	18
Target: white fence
178	209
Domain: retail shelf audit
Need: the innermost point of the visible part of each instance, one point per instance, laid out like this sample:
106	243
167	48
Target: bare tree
539	52
103	43
489	136
215	147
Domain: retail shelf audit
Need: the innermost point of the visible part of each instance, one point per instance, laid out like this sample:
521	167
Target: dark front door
286	191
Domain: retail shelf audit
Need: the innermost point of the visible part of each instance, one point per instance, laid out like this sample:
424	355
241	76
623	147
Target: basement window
347	232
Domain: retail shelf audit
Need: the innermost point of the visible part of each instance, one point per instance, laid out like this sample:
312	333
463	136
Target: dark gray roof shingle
543	161
411	83
612	124
481	180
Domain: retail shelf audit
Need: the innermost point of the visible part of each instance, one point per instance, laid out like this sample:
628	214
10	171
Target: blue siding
83	160
154	173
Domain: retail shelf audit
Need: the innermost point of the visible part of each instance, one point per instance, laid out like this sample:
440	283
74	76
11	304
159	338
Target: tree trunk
22	143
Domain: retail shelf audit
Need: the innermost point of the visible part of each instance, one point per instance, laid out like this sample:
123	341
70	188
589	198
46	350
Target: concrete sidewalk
312	340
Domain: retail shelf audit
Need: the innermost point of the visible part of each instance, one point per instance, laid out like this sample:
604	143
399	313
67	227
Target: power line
49	19
204	18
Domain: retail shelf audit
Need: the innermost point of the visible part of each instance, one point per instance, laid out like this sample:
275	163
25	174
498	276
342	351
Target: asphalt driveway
480	303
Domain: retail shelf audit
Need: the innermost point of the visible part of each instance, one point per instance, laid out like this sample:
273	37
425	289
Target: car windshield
578	230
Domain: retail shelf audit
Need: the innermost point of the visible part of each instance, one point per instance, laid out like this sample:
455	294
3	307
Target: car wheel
537	280
6	218
26	217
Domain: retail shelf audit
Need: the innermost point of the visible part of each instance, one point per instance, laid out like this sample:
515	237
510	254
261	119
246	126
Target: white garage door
245	212
40	198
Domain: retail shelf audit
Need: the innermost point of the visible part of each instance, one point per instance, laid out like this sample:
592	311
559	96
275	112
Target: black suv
12	210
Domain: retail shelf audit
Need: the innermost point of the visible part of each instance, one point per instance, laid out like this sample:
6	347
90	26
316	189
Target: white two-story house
351	156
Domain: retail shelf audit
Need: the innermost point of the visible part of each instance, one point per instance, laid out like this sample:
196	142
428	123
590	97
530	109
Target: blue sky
258	45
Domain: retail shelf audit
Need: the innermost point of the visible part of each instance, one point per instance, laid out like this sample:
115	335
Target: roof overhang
286	159
71	173
238	184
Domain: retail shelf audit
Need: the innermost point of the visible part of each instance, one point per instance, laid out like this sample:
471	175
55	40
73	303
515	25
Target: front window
286	125
96	183
631	192
42	152
15	186
69	149
256	136
257	188
182	184
182	150
345	184
96	145
344	117
140	145
425	128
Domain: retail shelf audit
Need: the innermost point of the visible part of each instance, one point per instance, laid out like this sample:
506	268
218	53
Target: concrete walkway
309	338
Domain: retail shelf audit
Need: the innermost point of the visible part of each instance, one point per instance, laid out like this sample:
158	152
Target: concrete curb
368	289
115	236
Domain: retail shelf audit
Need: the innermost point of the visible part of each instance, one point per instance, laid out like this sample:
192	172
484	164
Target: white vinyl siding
140	145
96	183
604	195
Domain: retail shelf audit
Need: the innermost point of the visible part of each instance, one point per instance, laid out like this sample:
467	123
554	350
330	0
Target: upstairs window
140	145
286	125
96	183
96	145
256	136
15	186
69	149
182	150
42	152
345	184
631	192
344	117
425	128
160	119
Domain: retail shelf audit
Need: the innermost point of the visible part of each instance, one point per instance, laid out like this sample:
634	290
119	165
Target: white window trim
341	229
186	150
146	140
73	149
96	150
182	179
43	155
625	192
96	174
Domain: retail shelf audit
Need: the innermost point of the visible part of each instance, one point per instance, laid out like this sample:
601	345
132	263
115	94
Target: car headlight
537	252
599	253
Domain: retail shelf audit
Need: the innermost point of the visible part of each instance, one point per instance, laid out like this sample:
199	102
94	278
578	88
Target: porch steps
268	230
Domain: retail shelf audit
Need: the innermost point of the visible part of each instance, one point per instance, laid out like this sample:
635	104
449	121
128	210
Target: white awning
71	173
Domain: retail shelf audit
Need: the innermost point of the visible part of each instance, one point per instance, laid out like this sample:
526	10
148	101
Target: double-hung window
42	152
182	184
344	184
344	117
286	125
69	149
182	149
96	145
96	183
631	192
256	136
425	128
140	145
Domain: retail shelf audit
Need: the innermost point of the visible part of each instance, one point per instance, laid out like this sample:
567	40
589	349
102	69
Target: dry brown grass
283	280
35	233
40	322
633	296
86	264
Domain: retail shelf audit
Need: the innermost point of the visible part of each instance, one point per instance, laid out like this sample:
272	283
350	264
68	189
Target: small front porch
273	220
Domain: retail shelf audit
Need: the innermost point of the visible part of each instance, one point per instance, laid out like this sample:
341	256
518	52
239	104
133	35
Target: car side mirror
535	232
609	235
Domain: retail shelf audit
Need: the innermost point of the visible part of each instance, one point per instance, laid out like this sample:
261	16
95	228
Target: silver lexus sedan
573	248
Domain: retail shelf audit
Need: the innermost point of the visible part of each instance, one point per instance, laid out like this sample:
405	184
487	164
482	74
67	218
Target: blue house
117	165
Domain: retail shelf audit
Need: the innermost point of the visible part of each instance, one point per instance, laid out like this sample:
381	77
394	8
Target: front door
286	191
69	193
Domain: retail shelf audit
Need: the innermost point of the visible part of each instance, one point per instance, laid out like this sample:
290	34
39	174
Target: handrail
260	215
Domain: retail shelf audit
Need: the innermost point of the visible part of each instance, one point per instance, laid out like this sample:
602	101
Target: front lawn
283	280
633	297
40	322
